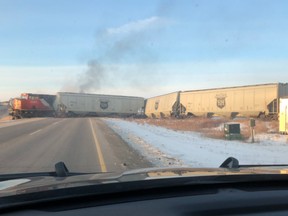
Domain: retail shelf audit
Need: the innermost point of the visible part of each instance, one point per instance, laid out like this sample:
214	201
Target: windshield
113	86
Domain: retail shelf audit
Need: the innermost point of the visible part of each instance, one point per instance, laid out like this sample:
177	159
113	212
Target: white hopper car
81	104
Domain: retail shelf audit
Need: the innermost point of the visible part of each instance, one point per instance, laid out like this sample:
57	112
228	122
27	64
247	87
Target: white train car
283	116
81	104
253	101
162	106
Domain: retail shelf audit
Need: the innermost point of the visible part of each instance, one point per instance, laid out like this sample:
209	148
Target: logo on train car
104	105
221	103
156	105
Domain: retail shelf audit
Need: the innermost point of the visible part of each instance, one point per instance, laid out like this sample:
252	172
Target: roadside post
252	126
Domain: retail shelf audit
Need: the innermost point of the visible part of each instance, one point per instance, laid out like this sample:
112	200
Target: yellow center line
98	148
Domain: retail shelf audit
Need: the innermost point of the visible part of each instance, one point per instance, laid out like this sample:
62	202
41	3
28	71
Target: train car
163	106
253	101
283	116
32	105
81	104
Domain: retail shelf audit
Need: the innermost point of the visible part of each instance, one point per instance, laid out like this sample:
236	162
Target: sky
140	48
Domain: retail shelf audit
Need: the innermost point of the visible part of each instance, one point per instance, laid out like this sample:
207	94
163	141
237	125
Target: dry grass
260	128
193	124
211	127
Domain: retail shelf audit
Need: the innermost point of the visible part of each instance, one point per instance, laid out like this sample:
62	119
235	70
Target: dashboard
269	198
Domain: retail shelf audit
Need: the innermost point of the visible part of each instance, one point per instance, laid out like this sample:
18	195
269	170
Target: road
84	144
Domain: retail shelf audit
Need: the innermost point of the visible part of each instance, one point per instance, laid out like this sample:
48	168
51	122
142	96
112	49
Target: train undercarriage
19	114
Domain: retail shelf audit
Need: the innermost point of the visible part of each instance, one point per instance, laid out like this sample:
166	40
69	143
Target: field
212	127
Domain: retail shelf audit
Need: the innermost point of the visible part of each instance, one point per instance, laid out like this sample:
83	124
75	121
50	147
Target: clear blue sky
141	48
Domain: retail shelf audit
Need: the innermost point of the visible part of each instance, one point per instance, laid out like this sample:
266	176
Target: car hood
45	183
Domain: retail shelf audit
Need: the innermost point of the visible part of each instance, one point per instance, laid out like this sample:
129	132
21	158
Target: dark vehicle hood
39	183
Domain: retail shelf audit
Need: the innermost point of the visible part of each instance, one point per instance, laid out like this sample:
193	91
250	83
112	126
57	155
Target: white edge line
35	132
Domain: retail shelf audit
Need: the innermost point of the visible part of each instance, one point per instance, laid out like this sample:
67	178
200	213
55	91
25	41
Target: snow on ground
165	147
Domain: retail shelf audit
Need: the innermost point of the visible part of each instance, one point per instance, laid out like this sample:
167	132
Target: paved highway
84	144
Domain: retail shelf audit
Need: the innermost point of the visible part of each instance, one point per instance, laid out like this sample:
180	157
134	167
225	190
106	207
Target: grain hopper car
81	104
260	101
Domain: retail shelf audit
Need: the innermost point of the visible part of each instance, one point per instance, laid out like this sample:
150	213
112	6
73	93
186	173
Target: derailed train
66	104
251	101
80	104
260	101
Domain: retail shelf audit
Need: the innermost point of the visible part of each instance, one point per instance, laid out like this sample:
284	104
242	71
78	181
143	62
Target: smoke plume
131	47
92	78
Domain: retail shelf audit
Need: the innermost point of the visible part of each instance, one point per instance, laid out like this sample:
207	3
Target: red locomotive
32	105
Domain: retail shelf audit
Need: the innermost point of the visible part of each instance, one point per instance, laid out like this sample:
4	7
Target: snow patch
165	147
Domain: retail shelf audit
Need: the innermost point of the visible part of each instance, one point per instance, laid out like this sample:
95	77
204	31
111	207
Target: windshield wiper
60	171
233	163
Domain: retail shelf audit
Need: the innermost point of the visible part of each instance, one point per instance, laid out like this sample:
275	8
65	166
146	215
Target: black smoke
120	48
